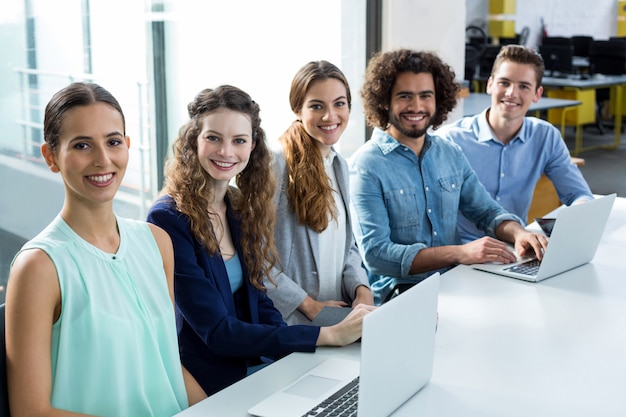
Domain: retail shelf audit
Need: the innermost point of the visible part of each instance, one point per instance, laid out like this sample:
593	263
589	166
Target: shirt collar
328	159
485	133
388	143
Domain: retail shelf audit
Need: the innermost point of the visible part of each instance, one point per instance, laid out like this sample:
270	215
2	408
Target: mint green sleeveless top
114	348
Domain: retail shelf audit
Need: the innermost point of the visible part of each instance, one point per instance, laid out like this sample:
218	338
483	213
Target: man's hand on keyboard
528	244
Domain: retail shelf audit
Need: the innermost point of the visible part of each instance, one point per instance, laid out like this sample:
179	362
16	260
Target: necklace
222	233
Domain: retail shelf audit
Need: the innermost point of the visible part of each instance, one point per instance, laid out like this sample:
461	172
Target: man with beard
407	185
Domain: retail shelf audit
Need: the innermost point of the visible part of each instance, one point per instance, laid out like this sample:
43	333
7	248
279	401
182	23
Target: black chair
4	393
606	57
524	35
519	38
475	44
515	40
486	60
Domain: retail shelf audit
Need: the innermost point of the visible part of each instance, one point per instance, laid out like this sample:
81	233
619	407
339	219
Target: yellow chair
545	198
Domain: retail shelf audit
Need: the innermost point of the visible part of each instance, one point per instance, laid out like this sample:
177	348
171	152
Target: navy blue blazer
215	342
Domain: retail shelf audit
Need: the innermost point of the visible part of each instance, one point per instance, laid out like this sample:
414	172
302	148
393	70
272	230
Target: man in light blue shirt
510	151
407	186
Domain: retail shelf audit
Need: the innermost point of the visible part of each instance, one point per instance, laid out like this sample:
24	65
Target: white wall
596	18
428	25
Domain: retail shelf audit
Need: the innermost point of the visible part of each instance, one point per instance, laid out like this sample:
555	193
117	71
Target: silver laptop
397	352
573	242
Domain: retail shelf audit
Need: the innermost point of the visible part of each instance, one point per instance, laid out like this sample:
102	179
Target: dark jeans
397	290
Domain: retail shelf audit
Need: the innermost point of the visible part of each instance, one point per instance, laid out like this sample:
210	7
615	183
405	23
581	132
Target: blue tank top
114	348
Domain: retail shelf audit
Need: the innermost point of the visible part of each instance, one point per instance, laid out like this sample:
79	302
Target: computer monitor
607	57
581	44
556	40
557	59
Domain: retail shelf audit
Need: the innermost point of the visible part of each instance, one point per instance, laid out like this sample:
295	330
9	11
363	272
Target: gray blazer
298	247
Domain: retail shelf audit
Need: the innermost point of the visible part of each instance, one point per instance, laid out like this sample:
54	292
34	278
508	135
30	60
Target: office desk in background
477	102
584	90
504	347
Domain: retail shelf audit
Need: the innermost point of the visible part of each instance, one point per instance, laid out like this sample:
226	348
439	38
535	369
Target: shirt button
401	191
434	233
497	198
430	211
426	188
502	174
453	185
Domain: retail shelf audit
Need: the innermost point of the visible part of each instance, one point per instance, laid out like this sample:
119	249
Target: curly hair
252	199
381	74
520	55
309	189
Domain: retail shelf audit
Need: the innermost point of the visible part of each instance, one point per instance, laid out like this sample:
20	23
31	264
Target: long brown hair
252	199
309	189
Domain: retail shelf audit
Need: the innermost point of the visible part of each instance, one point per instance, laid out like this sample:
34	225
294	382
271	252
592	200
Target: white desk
504	347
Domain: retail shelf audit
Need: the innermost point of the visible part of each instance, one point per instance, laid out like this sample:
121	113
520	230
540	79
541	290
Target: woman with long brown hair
224	244
320	264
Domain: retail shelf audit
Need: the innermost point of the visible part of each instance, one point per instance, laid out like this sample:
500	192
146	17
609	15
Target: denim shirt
401	203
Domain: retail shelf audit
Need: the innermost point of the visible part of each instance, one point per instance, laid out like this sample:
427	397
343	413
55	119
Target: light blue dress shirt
401	204
510	172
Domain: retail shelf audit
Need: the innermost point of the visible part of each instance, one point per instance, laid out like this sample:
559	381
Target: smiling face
325	112
513	88
225	144
412	106
91	154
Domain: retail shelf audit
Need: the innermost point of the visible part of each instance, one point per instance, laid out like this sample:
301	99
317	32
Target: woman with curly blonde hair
320	264
224	245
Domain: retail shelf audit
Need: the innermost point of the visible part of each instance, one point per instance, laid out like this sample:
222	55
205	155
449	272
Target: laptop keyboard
342	403
529	268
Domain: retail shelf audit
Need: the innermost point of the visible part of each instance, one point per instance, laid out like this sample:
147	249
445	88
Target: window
156	55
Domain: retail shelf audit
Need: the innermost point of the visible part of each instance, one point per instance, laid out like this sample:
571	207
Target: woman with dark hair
224	245
90	326
320	264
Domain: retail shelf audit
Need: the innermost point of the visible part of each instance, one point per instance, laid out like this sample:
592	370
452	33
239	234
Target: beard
411	132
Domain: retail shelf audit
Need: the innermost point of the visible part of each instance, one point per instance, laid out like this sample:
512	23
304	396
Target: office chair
486	60
607	57
4	393
523	35
515	40
475	43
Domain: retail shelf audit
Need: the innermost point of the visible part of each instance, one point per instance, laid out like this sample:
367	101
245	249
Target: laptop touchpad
312	386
